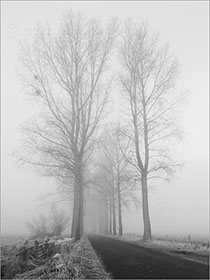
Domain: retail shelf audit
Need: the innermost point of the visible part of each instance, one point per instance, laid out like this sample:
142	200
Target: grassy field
196	249
11	239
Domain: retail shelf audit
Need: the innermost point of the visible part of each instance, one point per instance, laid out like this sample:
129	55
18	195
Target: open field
197	250
11	239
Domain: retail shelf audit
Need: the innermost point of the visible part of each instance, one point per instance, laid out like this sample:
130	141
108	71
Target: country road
125	260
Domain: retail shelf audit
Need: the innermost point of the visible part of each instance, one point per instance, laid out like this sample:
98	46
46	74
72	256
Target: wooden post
46	247
36	246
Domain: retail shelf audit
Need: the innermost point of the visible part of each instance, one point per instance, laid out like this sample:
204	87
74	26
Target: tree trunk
110	216
77	220
119	210
75	216
81	208
100	221
106	217
114	213
147	227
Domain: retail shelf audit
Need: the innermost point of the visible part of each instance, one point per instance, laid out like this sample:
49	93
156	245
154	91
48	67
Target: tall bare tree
67	72
148	78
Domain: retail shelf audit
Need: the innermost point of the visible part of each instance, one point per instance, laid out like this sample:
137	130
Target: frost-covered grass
131	236
75	260
81	262
172	243
192	246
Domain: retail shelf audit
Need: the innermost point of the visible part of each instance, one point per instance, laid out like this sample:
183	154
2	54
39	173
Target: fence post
46	248
36	245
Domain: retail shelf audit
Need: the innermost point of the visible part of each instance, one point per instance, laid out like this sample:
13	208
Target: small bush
53	225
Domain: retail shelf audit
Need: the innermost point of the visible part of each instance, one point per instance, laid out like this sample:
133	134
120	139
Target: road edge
99	262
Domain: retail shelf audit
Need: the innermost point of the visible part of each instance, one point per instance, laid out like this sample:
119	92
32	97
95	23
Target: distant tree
114	180
148	78
38	227
66	72
115	146
102	196
58	221
53	224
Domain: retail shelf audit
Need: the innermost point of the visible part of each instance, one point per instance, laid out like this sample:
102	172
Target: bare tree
101	189
66	71
148	77
117	177
58	221
38	227
43	226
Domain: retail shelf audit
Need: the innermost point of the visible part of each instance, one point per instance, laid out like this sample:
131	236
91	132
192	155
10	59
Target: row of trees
69	74
114	181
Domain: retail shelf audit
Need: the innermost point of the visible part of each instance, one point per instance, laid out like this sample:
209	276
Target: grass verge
75	261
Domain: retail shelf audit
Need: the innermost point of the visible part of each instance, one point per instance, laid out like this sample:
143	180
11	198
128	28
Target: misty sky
180	207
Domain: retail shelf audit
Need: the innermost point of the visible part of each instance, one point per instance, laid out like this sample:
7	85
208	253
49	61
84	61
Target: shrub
53	225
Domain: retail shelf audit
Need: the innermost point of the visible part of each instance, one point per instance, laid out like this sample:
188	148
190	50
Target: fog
180	207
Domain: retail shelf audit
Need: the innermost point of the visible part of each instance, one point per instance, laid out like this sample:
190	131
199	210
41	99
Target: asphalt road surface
125	260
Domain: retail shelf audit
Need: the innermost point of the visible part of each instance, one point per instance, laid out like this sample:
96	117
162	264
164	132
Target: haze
176	208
